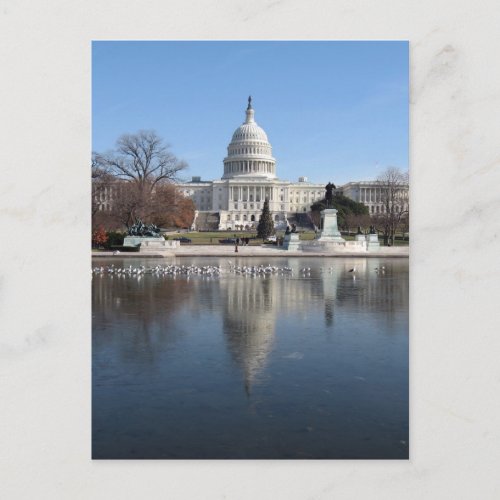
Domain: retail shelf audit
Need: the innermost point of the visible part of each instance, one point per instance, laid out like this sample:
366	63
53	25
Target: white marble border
44	272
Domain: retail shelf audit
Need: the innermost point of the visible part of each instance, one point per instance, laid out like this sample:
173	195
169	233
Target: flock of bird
169	270
211	271
259	270
191	270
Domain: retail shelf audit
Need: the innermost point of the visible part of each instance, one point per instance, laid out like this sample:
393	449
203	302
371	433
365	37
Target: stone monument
329	231
372	240
329	228
148	237
359	235
291	241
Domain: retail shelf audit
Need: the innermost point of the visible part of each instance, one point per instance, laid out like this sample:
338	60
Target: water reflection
249	323
171	337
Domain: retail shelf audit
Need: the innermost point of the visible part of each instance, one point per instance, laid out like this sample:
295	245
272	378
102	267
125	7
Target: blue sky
332	110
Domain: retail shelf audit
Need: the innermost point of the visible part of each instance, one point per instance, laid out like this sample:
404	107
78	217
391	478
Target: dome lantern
250	111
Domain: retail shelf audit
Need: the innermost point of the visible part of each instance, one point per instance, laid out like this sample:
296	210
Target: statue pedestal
291	241
360	237
149	243
372	242
329	230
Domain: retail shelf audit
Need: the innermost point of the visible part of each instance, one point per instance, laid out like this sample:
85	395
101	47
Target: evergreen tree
266	224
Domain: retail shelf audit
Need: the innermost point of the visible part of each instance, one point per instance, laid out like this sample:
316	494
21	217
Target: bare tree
130	203
135	180
393	185
169	208
404	225
353	221
142	158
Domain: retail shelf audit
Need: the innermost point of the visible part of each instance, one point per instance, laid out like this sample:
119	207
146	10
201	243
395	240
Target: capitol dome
249	153
249	131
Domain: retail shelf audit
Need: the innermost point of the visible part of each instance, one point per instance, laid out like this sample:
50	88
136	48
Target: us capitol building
236	200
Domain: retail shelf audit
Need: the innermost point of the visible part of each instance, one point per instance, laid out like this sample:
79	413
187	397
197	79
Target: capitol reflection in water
309	365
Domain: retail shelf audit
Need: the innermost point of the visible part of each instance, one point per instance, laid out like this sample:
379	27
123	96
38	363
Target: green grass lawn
212	238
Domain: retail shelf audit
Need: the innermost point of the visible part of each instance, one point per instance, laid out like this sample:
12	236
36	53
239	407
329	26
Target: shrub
99	237
114	239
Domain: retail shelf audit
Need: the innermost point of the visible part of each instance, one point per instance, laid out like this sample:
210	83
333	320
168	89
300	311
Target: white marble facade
371	194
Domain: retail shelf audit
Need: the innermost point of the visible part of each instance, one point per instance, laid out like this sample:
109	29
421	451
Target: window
276	218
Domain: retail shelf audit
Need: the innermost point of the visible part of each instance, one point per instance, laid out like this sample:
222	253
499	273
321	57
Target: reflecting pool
305	364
